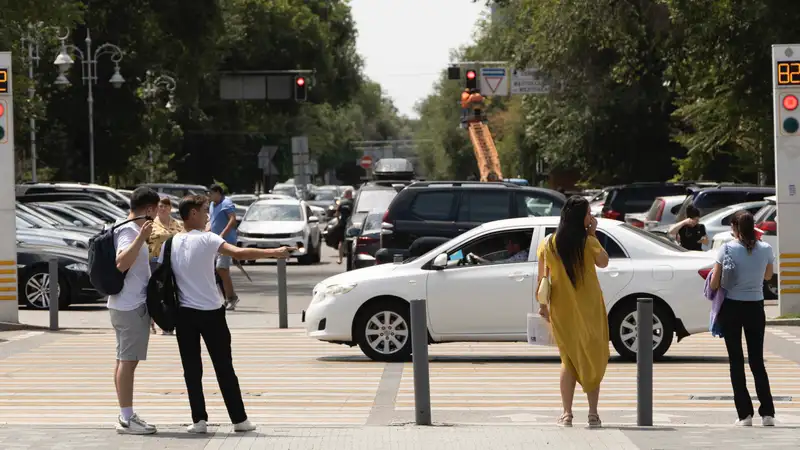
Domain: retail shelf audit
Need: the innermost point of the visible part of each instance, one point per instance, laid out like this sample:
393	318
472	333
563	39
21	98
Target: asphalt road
258	306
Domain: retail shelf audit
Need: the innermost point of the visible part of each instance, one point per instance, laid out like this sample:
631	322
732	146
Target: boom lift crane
474	120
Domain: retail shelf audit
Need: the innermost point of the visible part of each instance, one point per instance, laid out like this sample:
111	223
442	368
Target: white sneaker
200	427
746	422
767	421
134	426
242	427
232	302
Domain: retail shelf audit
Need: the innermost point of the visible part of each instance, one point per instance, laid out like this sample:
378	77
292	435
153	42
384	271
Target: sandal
594	421
565	420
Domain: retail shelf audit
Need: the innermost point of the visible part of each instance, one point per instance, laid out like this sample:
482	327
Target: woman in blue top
743	309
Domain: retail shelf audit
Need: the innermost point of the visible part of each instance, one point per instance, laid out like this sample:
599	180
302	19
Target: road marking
19	337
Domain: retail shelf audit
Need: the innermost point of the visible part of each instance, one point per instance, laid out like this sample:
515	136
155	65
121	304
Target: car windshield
374	199
53	217
74	213
37	221
273	213
325	195
654	238
243	201
22	223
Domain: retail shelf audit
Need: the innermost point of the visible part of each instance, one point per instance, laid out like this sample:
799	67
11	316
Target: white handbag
539	331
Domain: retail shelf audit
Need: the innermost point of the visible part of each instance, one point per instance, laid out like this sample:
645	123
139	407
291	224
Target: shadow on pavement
552	359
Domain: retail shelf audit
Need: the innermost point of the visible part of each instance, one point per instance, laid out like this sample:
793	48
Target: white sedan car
279	222
490	302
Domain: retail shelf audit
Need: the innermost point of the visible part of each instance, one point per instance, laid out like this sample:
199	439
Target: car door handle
613	272
519	276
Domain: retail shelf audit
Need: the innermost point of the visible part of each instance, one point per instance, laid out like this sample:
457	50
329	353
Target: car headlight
321	292
78	267
299	234
243	234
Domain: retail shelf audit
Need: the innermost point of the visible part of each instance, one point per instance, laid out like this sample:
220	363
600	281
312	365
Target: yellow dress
578	316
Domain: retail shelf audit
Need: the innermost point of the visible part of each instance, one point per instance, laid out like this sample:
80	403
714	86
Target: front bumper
275	242
361	261
325	322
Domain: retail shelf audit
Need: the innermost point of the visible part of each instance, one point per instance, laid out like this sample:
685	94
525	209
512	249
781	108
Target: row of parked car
57	220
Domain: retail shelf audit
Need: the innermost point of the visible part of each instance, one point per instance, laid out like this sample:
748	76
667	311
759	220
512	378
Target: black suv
639	197
446	209
710	199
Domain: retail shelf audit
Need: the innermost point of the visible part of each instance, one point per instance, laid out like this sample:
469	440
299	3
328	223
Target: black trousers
193	324
734	317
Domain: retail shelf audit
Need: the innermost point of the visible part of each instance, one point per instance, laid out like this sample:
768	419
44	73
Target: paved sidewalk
404	438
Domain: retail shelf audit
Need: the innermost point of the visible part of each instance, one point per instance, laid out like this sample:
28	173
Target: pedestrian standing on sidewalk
223	223
128	309
576	308
743	309
202	313
343	213
163	227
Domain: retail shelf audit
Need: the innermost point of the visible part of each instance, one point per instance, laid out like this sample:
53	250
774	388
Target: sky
406	43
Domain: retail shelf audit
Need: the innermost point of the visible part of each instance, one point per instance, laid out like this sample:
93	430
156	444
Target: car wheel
34	290
383	331
624	331
318	252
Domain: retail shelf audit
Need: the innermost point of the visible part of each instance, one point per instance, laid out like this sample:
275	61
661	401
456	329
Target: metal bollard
644	362
283	316
54	294
398	259
419	350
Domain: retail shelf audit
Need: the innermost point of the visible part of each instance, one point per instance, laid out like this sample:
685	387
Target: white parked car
275	223
663	211
467	302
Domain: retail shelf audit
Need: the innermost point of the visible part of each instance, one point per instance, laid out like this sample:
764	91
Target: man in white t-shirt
202	311
128	308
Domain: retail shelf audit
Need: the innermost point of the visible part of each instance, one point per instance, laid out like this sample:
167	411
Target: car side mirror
440	262
77	223
353	232
313	219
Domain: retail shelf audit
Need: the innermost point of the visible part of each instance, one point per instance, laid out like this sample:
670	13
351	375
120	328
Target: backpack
162	292
103	272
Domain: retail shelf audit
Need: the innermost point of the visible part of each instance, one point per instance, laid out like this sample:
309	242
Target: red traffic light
300	81
2	109
790	102
471	74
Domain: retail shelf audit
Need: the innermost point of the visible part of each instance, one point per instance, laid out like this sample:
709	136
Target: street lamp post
152	85
89	76
32	39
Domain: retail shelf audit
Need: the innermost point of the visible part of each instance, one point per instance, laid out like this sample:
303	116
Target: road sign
528	81
300	145
494	81
365	162
785	95
265	157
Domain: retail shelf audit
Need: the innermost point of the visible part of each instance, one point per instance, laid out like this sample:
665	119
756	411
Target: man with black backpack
128	307
201	311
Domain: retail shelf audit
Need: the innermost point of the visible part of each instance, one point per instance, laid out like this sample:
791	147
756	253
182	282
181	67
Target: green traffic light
2	133
791	125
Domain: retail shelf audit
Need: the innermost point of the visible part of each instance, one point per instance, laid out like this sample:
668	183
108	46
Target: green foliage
645	90
195	40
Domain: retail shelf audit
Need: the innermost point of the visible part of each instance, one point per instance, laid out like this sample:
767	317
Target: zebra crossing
286	379
693	381
289	379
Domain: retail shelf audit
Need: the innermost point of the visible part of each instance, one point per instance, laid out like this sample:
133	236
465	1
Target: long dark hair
571	235
745	226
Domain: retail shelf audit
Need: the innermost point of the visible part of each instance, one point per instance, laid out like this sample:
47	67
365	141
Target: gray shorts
133	333
224	262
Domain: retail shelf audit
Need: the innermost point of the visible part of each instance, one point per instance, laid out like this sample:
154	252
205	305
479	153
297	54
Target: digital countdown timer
3	81
788	73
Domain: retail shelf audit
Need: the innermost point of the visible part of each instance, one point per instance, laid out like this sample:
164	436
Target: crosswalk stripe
290	379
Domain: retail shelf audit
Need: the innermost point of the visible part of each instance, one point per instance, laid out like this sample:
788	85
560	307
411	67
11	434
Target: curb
10	326
784	322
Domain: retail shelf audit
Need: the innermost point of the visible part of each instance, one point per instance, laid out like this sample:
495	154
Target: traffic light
3	121
472	79
789	122
300	88
453	73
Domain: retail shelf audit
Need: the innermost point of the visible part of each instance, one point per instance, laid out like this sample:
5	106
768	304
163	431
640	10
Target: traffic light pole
786	92
8	249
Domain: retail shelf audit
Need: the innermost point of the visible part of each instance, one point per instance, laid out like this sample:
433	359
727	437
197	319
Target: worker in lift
475	104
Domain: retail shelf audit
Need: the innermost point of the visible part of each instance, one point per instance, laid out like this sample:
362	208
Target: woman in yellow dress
164	226
576	310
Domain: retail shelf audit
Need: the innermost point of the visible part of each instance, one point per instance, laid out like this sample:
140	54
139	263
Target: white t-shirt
134	291
192	259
